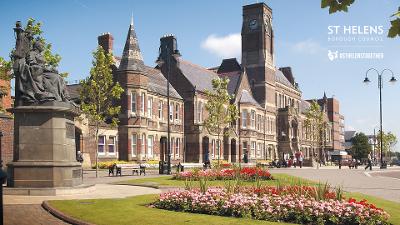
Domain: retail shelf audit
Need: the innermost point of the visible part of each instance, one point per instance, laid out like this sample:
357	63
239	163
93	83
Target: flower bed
246	173
288	204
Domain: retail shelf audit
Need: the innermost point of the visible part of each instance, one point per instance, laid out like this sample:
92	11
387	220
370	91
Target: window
200	112
171	146
258	122
149	106
253	148
134	145
176	111
245	148
160	112
177	147
150	146
142	150
253	119
171	111
111	145
133	101
259	151
244	118
142	101
101	143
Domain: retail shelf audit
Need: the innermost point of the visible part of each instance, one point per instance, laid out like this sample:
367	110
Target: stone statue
35	81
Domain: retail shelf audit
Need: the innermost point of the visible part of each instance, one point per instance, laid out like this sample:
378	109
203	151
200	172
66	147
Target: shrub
246	173
285	204
107	164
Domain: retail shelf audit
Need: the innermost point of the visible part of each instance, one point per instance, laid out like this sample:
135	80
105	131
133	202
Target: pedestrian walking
340	163
369	162
301	159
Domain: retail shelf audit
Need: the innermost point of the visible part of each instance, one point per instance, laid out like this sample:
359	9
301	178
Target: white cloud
309	47
223	46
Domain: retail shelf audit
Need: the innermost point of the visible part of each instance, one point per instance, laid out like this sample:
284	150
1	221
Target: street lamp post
380	84
160	62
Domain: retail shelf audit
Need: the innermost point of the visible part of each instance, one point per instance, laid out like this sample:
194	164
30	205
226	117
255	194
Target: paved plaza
380	183
27	210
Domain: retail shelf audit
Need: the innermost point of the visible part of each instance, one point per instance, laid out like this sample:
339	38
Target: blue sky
208	30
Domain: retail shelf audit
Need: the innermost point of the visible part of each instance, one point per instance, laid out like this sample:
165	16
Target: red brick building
272	111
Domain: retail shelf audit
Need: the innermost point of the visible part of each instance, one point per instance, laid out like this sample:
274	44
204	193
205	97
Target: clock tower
258	52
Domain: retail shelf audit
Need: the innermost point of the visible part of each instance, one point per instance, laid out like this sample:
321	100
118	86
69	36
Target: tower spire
131	57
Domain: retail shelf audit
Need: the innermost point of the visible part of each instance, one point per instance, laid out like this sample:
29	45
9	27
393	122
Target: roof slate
280	77
246	97
131	57
200	77
158	83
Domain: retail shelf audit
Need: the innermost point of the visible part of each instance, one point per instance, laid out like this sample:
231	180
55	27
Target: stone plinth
44	147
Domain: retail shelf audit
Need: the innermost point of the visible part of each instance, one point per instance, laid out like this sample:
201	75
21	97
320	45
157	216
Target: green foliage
107	164
336	5
315	121
395	28
389	141
99	92
221	113
5	69
51	60
342	5
360	146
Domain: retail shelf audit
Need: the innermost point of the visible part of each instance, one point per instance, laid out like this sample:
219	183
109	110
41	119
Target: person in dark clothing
369	162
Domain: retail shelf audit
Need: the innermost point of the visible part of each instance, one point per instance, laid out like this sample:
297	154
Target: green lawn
167	181
134	210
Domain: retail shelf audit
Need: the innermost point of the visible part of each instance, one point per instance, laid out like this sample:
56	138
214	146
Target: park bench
136	168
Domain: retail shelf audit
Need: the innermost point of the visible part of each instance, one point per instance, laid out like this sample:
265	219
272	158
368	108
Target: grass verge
167	181
134	210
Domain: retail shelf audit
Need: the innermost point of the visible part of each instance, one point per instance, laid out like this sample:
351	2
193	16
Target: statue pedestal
44	147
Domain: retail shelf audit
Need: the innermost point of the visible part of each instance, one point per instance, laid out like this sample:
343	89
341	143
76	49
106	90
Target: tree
360	146
343	5
98	94
389	141
317	124
221	113
51	59
5	71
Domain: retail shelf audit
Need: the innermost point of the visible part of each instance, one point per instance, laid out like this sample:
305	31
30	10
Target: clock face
253	24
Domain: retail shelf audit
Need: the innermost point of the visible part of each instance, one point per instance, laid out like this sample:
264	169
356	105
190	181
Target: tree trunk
97	150
219	147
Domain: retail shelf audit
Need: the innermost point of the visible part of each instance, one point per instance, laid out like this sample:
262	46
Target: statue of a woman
35	80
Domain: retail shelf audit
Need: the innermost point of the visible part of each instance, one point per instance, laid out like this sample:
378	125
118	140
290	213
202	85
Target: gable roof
304	106
158	83
280	78
246	97
200	77
234	80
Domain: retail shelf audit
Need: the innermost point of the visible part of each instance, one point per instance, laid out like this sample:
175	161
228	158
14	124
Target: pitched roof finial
132	19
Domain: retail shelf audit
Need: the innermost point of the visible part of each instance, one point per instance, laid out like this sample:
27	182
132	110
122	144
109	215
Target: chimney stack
168	46
106	40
